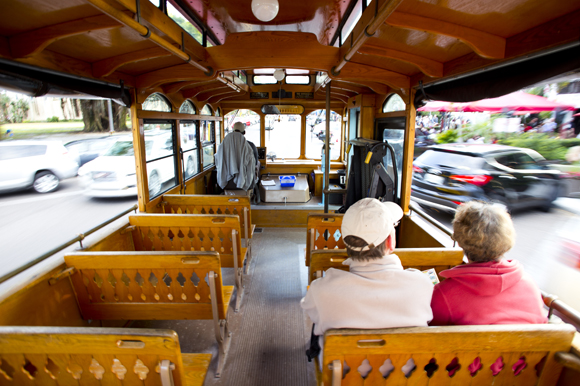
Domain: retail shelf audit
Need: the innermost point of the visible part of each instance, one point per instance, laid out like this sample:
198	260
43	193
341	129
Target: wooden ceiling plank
483	43
31	42
107	66
178	86
350	87
378	88
427	66
219	98
202	97
179	73
364	72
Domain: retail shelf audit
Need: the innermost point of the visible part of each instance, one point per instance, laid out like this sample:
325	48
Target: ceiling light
265	10
279	74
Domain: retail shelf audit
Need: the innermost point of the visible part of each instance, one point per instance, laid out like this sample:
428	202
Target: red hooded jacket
495	292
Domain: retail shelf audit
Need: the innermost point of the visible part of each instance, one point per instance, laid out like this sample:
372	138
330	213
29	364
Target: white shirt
235	160
374	294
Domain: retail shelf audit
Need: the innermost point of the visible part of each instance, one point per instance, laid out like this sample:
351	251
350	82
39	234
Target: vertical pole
111	125
326	186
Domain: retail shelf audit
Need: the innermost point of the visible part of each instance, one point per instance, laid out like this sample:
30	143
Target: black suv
445	176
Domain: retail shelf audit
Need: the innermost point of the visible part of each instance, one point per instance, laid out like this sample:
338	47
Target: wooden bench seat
418	258
153	286
451	355
185	232
97	356
212	204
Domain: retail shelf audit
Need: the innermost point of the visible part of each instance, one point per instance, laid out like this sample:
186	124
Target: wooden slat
142	260
148	310
195	368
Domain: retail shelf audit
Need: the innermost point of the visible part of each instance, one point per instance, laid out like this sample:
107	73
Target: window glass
187	108
452	160
394	103
180	19
316	134
297	79
12	152
122	148
242	75
188	133
156	102
218	134
155	3
207	139
524	161
160	157
248	118
218	112
351	21
264	79
206	110
395	138
283	135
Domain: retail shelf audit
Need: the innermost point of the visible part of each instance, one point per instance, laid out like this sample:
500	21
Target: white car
113	173
39	165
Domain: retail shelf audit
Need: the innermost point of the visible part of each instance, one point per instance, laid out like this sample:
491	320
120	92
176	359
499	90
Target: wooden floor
270	333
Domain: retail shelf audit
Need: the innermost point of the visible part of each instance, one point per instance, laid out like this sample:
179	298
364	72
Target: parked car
89	149
113	174
422	141
445	176
39	165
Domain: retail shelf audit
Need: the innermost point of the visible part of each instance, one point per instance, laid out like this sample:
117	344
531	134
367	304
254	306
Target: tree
96	116
4	108
19	110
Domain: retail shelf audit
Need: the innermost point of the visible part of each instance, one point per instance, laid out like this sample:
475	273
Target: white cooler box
272	191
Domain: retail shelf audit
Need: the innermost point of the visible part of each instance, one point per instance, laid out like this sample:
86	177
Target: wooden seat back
418	258
148	285
211	204
90	356
160	232
323	232
450	355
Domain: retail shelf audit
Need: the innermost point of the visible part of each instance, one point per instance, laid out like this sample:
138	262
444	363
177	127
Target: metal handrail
79	238
561	310
431	220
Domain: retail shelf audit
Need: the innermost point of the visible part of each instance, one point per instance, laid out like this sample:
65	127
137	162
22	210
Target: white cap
239	126
371	220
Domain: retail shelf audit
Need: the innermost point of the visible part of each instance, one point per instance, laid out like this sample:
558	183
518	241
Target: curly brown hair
484	231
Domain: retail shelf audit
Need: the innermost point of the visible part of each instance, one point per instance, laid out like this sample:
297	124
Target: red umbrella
516	101
442	106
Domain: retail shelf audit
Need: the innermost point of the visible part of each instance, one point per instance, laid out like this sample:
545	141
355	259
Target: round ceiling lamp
279	74
265	10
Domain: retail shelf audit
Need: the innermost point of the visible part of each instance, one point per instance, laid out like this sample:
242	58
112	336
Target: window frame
174	154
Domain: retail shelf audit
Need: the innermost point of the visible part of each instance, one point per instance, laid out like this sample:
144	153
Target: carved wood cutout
141	370
118	369
96	369
74	370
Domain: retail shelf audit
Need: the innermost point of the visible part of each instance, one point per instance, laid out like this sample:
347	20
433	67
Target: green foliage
18	110
550	148
52	119
449	136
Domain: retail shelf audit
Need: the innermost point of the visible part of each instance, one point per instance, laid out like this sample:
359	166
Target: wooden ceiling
395	45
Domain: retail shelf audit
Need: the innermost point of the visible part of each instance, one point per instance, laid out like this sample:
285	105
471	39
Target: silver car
39	165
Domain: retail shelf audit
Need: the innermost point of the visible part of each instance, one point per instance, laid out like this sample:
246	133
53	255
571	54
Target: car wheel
45	182
154	184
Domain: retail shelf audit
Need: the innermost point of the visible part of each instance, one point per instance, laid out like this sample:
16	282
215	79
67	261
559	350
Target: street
32	224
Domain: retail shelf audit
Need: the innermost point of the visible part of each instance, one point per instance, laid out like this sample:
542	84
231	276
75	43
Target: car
91	148
446	176
422	141
39	165
113	173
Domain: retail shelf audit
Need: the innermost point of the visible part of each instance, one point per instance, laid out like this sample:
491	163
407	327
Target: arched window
156	102
206	110
187	108
394	103
218	112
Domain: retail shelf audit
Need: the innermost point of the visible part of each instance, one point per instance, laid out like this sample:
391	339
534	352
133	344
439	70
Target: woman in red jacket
487	290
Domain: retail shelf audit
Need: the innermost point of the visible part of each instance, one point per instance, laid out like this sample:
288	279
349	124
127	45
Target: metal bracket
238	272
130	228
222	334
336	367
333	72
165	368
62	274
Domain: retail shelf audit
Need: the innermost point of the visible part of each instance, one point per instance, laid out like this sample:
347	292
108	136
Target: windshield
443	158
120	148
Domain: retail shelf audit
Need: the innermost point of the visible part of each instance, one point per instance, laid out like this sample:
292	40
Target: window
22	151
218	134
264	79
283	135
160	156
207	139
187	108
242	75
156	102
297	79
189	147
177	16
206	110
394	103
316	134
352	20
